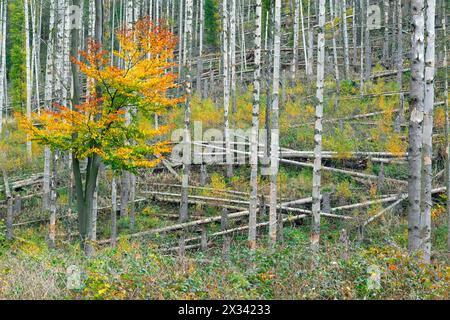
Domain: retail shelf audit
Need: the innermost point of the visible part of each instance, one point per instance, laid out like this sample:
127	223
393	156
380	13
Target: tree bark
254	139
415	124
427	173
316	193
274	140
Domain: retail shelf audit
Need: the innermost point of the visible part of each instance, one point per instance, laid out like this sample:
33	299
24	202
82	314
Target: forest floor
137	270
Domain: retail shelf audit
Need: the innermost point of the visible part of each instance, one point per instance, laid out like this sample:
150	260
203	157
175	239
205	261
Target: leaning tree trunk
315	226
415	124
425	219
274	140
254	141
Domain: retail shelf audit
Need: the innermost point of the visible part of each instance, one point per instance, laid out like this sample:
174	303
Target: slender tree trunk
385	58
345	34
400	118
335	56
200	51
52	224
254	139
415	123
425	219
274	140
367	44
226	89
315	226
113	211
184	216
355	35
309	66
305	50
296	40
28	71
233	55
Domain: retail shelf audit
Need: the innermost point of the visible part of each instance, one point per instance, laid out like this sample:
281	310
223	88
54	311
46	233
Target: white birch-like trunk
416	123
184	214
254	139
274	140
315	226
427	174
48	97
345	34
226	87
233	55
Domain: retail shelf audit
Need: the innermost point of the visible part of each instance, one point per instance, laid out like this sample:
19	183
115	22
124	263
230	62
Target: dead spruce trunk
415	124
315	226
275	148
254	139
427	173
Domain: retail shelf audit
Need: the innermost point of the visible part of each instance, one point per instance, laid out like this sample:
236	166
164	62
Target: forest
224	149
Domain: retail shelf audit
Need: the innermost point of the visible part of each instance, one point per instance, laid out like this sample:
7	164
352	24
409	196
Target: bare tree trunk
200	51
226	88
187	135
336	64
9	203
53	204
274	140
254	140
305	50
233	55
425	219
315	226
385	58
345	34
363	32
367	44
400	117
309	66
113	211
296	40
415	123
355	35
28	71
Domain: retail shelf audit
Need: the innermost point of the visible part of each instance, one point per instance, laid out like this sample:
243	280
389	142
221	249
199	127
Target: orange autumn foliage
141	86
